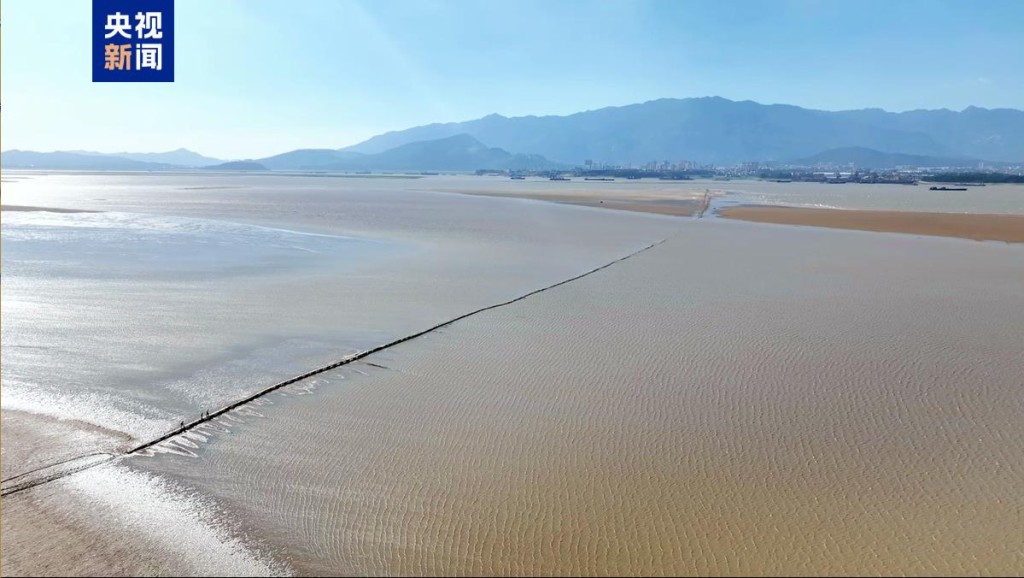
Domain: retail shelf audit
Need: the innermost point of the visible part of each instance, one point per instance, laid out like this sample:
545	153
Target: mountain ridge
180	156
719	130
61	160
460	152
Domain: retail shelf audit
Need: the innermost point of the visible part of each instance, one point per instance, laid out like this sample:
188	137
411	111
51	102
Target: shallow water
115	245
190	291
740	399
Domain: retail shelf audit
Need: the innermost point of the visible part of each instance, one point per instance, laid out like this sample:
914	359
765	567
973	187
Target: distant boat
518	178
559	179
597	179
782	180
947	188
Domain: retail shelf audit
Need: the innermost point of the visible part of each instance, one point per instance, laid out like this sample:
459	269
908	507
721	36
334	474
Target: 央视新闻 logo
133	40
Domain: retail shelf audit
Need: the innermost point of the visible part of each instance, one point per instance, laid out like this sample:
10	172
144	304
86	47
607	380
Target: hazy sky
258	77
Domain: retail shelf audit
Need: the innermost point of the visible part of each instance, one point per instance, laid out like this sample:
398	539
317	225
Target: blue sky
258	77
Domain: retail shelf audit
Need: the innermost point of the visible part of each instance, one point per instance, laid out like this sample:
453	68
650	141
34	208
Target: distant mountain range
16	159
237	166
459	152
308	159
455	153
717	130
94	161
704	130
180	157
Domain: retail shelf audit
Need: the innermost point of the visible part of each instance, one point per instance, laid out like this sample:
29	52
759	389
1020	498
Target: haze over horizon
331	74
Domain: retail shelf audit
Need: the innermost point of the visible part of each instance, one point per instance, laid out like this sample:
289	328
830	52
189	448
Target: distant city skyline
257	78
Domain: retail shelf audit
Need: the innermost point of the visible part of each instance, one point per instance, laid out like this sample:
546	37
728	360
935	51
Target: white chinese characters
149	56
117	24
149	25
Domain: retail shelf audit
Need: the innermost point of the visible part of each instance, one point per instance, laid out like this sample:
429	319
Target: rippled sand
741	399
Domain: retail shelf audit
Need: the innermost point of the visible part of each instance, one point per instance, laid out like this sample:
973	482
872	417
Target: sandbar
683	207
1008	228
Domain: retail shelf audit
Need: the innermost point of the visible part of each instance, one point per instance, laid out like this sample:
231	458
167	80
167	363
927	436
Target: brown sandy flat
44	209
1008	228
